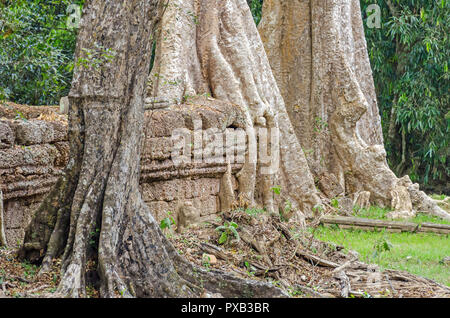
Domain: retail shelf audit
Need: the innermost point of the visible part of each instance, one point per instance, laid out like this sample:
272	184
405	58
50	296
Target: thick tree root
142	263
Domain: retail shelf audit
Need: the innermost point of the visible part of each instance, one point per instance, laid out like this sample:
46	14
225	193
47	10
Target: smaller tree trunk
318	53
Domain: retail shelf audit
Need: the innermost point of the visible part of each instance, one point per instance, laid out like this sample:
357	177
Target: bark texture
318	54
213	47
2	228
99	192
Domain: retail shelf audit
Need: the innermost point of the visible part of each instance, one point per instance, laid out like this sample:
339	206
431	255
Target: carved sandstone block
6	135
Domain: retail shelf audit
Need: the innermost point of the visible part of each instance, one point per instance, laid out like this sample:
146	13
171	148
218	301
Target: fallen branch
316	260
344	283
344	266
213	250
23	280
32	291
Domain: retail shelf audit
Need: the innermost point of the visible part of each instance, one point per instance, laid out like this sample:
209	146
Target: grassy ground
421	254
380	214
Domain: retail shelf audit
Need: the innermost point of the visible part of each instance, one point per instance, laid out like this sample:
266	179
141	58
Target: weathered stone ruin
34	150
33	153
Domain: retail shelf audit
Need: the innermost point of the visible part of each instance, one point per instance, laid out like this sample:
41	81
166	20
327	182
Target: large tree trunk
213	47
100	189
318	54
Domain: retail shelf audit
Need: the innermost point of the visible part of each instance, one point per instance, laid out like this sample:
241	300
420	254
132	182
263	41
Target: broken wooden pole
391	226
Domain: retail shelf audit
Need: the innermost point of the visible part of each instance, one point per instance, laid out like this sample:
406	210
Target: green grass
438	196
418	253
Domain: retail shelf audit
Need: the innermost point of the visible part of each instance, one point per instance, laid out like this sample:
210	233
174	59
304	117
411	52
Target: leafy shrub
409	56
227	230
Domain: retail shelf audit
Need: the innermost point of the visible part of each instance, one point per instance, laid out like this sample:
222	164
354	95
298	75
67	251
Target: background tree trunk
2	224
100	191
318	54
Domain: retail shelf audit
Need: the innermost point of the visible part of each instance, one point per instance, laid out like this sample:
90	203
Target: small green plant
55	278
206	262
29	269
380	246
285	211
254	211
20	116
167	222
250	269
294	292
276	190
356	209
227	231
94	236
122	292
320	125
318	208
335	203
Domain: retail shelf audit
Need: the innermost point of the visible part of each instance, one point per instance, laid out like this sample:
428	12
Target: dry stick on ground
34	290
344	283
213	250
316	260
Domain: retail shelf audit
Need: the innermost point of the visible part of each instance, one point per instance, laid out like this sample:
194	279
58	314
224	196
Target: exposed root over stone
212	47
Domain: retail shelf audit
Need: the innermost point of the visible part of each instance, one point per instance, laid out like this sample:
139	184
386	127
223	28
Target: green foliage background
409	56
36	51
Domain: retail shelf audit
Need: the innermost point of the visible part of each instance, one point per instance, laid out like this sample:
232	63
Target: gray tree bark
318	54
2	224
100	189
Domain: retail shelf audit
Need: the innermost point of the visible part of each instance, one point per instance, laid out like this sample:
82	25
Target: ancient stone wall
34	151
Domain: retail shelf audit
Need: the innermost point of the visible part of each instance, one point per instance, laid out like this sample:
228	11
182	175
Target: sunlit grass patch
421	254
